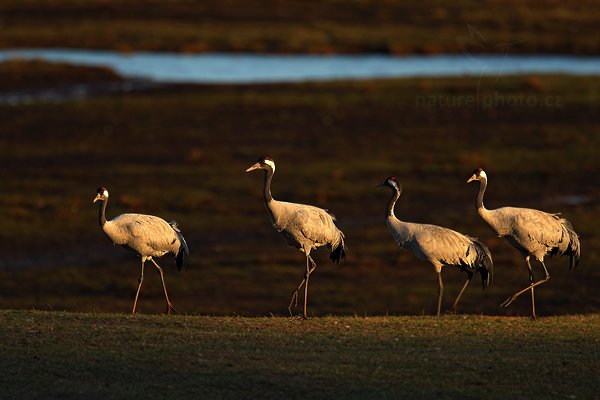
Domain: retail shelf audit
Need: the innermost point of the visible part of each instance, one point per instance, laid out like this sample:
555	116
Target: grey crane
147	235
532	232
442	247
302	226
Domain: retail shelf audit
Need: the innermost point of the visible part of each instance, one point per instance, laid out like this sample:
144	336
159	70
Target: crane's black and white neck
102	197
480	176
393	183
268	165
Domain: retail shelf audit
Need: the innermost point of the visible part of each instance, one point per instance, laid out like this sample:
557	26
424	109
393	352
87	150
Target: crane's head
391	182
101	194
265	163
478	175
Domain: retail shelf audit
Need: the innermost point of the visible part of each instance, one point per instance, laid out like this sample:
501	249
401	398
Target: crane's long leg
532	303
294	298
512	298
531	281
140	280
162	278
469	277
440	291
308	272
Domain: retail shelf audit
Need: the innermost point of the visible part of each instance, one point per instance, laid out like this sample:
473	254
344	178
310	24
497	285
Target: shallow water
259	68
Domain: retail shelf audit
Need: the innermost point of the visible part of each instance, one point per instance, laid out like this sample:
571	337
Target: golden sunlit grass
100	356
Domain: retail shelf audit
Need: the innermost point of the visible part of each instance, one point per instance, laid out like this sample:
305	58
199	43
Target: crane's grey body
439	246
147	235
302	226
532	232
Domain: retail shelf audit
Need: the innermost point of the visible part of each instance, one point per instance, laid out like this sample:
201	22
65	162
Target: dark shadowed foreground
89	356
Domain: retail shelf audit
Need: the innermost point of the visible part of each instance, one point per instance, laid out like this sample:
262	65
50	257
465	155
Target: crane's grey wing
534	227
183	251
318	226
445	246
306	224
538	233
148	231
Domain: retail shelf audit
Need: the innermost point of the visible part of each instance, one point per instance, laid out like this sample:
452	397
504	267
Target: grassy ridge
20	75
319	27
98	356
180	151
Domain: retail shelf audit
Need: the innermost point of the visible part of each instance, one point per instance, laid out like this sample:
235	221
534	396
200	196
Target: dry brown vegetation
180	151
356	26
19	75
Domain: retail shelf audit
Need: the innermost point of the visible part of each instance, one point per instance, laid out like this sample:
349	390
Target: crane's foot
298	317
293	301
171	308
507	302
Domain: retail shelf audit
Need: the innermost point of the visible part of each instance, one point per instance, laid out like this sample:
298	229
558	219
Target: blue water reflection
256	68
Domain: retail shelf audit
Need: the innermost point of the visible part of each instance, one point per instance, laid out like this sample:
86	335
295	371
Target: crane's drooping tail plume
483	263
569	245
183	248
338	251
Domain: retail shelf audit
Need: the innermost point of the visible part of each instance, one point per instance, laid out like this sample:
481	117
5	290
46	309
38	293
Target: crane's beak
380	185
98	198
472	178
252	168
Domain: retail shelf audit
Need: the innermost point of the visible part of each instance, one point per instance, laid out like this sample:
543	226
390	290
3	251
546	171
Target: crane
302	226
147	235
438	245
532	232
